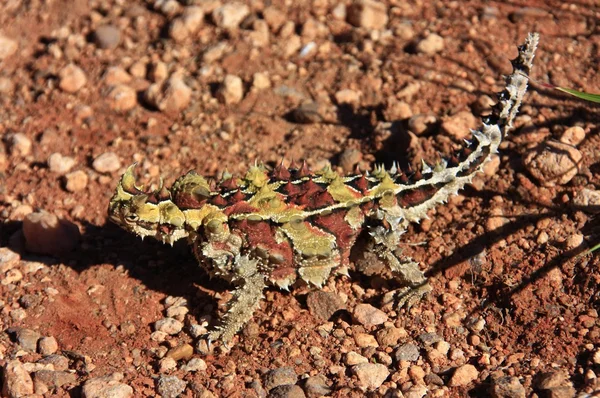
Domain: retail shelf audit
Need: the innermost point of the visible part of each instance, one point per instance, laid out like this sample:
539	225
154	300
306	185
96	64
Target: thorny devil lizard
287	224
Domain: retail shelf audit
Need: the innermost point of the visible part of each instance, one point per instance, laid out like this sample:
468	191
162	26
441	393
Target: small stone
274	17
573	136
260	81
11	276
552	379
76	181
287	391
553	163
121	98
7	47
60	164
507	387
353	358
108	386
17	382
369	316
138	69
159	72
27	339
365	340
187	24
47	345
491	167
560	392
71	78
46	234
19	144
350	158
574	241
430	45
171	96
168	325
460	124
184	351
54	379
107	37
347	96
370	375
292	45
588	198
195	365
407	352
429	338
108	162
59	362
230	15
231	90
463	375
420	124
322	305
166	365
308	112
8	259
316	386
368	14
116	75
279	377
398	110
389	337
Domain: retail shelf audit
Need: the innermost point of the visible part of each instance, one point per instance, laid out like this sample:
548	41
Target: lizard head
146	213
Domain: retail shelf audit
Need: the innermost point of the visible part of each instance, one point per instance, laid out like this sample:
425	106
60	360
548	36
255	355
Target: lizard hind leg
246	299
382	248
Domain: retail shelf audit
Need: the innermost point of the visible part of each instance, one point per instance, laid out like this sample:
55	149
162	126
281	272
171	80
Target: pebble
353	358
463	375
52	379
491	167
260	81
368	14
107	37
287	391
365	340
7	47
551	379
574	241
398	110
107	162
553	163
430	45
194	365
11	276
231	91
370	375
17	382
116	75
168	325
138	69
230	15
121	98
159	72
171	96
60	164
71	78
369	316
588	198
322	305
184	351
279	377
350	158
187	24
166	365
429	338
507	387
59	362
460	124
389	336
76	181
274	17
19	144
108	386
308	112
27	339
573	136
347	96
407	352
47	345
316	386
47	234
8	259
419	124
7	86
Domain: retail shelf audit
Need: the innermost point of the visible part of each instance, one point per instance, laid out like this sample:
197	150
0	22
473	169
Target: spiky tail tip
509	100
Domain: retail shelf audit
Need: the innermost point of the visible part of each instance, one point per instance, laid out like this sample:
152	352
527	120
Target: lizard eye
132	217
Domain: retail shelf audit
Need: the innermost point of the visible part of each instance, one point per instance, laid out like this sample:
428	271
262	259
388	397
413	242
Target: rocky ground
89	87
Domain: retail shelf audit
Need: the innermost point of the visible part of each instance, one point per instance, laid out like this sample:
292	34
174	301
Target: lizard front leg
382	245
246	299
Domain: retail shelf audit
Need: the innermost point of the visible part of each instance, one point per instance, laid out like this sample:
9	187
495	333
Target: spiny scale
291	224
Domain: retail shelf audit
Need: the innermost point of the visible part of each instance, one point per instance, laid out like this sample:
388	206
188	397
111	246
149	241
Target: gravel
370	375
322	305
279	377
553	163
107	37
108	386
369	316
170	386
407	352
107	162
463	375
71	78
